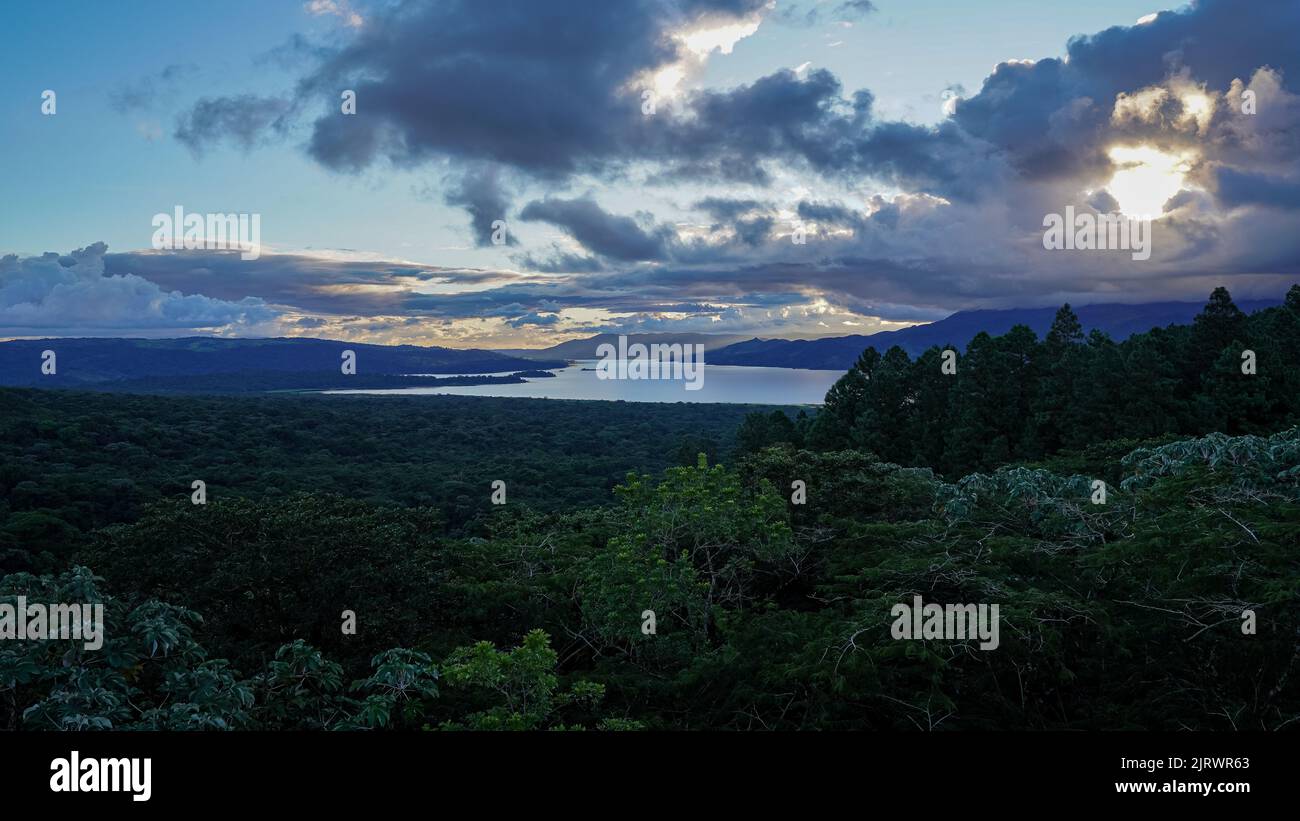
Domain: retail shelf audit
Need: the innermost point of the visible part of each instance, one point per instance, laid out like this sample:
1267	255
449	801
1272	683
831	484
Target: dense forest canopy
769	549
1016	398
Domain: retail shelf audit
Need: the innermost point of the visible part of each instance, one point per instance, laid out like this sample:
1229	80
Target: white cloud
54	294
336	8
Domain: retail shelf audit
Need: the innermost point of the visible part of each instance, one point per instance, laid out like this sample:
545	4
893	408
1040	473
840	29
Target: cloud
1234	188
143	94
560	261
244	120
825	11
510	85
534	319
726	209
536	86
335	8
1053	117
323	283
611	236
71	294
479	191
543	103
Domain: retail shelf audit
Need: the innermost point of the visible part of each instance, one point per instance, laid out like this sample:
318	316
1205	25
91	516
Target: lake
738	384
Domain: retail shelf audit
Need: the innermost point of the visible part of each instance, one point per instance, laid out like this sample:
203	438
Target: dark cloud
756	231
735	213
725	209
544	89
301	281
830	214
805	122
779	115
143	95
1051	117
243	120
534	319
294	53
1236	188
799	14
1218	39
480	193
538	94
611	236
559	261
859	7
1103	202
537	86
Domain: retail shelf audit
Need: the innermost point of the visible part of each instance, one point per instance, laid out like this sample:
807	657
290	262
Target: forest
682	567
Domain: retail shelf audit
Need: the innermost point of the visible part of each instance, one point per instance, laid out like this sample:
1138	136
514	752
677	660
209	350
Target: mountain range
91	362
839	353
206	363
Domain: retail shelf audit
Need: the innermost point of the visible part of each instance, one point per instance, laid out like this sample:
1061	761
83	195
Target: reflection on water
722	383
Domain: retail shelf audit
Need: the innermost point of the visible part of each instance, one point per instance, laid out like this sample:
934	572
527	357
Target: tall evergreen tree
1059	370
932	396
1216	327
883	426
1066	329
844	403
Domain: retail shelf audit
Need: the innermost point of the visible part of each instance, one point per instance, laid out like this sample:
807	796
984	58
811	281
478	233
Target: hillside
105	362
839	353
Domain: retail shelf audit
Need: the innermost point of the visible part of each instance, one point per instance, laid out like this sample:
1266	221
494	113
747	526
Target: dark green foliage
761	430
72	462
1123	614
772	581
1015	399
262	573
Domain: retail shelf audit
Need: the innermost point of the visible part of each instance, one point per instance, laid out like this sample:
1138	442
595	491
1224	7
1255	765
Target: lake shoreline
720	384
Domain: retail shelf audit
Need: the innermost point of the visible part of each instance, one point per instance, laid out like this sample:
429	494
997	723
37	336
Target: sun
1146	177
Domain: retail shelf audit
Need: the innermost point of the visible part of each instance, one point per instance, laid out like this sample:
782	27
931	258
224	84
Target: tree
932	392
1063	360
883	424
520	687
398	692
1065	331
1216	327
267	572
695	541
761	430
845	401
1239	401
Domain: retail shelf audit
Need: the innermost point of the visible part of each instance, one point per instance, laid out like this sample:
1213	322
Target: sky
523	172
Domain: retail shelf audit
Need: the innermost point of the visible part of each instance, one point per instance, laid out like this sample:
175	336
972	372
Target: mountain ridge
104	360
1118	320
83	361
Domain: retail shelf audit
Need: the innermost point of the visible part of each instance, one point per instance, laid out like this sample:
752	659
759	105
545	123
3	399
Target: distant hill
104	362
586	348
839	353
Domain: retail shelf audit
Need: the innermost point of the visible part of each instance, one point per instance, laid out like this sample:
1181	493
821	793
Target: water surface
721	383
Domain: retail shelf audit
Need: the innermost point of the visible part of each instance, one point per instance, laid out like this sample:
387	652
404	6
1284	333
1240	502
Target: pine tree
844	403
1215	328
1066	329
883	426
1062	362
931	407
1239	401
